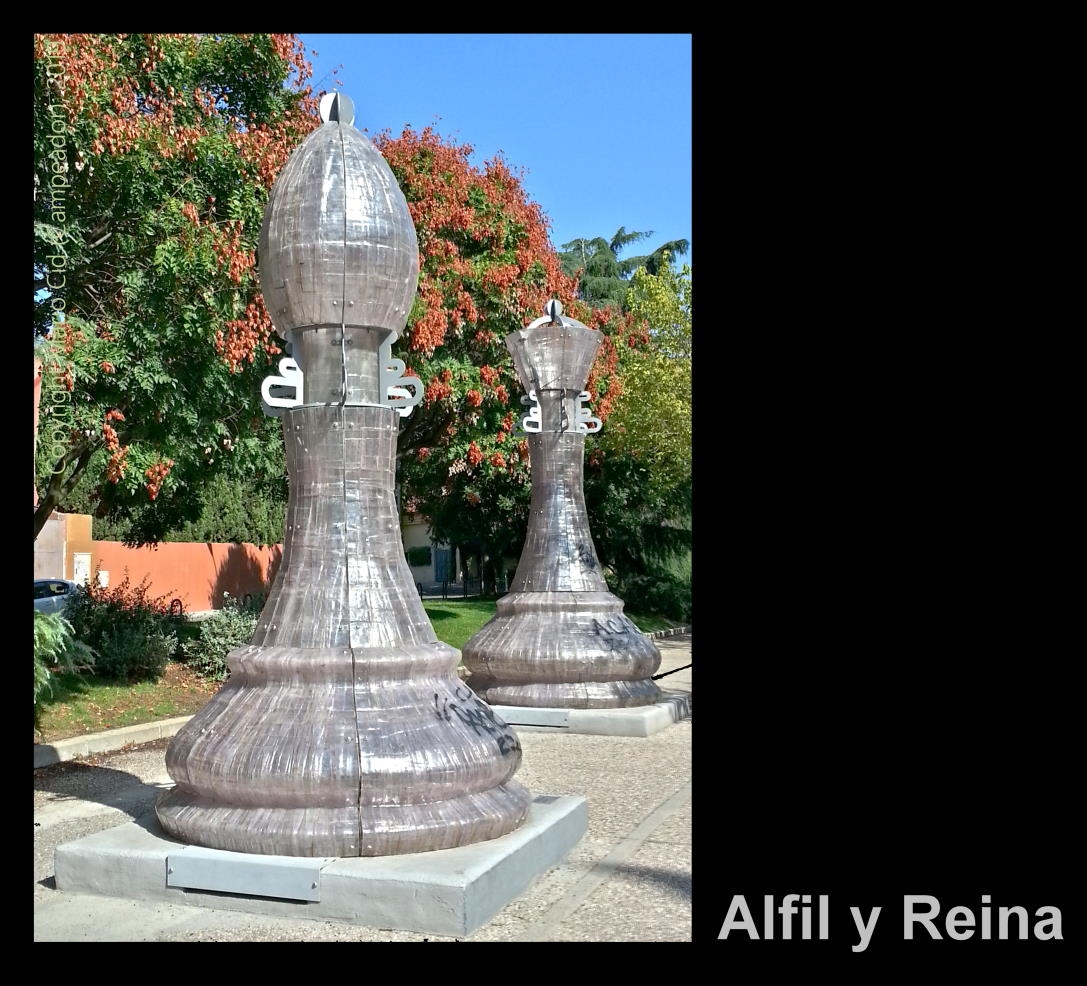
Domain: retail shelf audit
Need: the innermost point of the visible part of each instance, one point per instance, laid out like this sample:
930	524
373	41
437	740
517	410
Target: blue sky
599	123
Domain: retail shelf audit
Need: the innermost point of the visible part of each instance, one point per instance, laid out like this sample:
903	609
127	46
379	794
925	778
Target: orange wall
197	574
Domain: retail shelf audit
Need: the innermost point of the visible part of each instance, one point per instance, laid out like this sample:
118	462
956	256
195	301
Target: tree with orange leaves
487	268
153	158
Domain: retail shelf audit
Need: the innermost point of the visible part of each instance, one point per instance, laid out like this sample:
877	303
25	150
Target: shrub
135	650
56	651
249	603
134	634
419	555
227	628
661	594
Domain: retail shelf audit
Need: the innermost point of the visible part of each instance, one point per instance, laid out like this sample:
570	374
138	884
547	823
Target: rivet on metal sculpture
559	638
343	729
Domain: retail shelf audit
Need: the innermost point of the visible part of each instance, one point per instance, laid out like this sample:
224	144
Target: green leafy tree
153	158
653	416
642	533
604	278
638	473
234	511
487	521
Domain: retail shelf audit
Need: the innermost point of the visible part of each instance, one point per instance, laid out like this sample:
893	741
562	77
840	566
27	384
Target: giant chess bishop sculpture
343	728
559	638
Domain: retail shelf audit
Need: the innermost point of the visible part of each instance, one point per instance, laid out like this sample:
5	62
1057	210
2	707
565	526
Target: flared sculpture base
344	832
569	650
324	752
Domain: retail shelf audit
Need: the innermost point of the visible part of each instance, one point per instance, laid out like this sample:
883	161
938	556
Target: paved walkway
627	879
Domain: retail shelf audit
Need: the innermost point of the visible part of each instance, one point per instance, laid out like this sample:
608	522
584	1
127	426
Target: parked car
53	595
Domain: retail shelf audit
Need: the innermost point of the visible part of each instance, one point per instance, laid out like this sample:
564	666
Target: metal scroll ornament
343	729
559	638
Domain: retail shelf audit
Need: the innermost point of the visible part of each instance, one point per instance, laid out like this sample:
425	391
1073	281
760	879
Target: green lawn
455	621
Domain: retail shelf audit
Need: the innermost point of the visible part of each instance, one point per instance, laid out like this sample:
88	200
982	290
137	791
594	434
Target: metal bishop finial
336	107
554	309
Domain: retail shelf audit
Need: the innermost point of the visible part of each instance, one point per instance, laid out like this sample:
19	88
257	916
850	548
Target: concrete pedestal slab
643	720
445	892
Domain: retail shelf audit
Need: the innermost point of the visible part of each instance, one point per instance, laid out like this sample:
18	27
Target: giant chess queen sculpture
559	638
343	729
